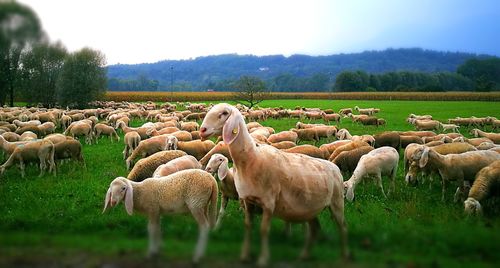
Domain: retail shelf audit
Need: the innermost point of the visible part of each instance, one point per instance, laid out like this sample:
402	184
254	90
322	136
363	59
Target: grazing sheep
174	165
348	160
407	140
378	162
486	184
196	148
283	136
11	136
189	126
144	168
148	147
66	120
41	151
300	125
283	145
131	141
187	191
80	128
219	148
28	136
331	117
309	150
103	129
293	187
219	163
368	121
420	117
143	131
347	147
452	127
455	167
69	149
325	131
47	128
421	134
381	122
332	146
345	111
308	134
426	124
494	137
388	138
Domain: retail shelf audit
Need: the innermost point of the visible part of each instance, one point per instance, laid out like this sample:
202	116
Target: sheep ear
129	198
222	172
231	129
107	201
424	158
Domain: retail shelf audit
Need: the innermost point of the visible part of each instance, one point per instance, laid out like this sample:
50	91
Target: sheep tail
212	214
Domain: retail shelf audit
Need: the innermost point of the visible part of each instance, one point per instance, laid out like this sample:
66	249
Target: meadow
57	220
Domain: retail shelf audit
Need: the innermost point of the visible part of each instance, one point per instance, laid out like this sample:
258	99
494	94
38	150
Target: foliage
39	73
82	78
57	220
19	27
286	73
142	83
251	90
485	73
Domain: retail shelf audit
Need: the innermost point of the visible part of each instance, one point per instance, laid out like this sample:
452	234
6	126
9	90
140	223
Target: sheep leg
443	182
311	233
203	228
379	182
288	229
265	225
337	214
245	249
222	211
154	233
393	179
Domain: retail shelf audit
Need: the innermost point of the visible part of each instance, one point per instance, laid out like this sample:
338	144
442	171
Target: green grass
57	219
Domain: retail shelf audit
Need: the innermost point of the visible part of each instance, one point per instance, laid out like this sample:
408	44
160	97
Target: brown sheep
220	148
309	150
283	145
348	160
486	184
350	146
405	140
388	138
145	167
196	148
283	136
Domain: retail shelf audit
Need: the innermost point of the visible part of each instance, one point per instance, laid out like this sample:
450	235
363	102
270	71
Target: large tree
250	90
82	78
485	73
19	28
39	73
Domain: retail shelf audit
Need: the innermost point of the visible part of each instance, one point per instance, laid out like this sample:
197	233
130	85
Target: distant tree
316	83
82	78
250	90
40	70
19	27
485	73
351	81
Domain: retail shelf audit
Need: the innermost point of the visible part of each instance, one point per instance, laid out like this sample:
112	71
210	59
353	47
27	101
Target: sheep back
145	167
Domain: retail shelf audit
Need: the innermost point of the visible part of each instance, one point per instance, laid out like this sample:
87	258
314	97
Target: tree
82	78
19	27
351	81
39	73
485	73
250	90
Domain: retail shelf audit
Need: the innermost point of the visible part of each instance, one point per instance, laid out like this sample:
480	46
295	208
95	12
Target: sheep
101	128
144	168
330	147
181	163
187	191
219	163
348	160
69	149
283	136
149	147
141	130
283	145
381	122
308	134
66	120
325	131
388	138
343	134
219	148
426	124
131	141
421	134
47	128
11	136
452	127
494	137
41	151
345	111
347	147
407	140
28	135
473	141
486	184
356	118
451	167
29	123
487	145
420	117
196	148
300	125
378	162
290	186
189	126
331	117
78	129
309	150
9	147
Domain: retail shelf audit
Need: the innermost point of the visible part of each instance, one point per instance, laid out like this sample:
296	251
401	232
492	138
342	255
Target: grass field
57	220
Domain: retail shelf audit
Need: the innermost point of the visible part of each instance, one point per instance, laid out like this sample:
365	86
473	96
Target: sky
144	31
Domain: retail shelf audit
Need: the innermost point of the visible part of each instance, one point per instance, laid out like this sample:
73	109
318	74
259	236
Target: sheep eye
124	188
225	113
220	160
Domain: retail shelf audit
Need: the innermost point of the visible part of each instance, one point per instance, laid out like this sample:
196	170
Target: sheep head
120	189
218	163
349	190
472	206
222	119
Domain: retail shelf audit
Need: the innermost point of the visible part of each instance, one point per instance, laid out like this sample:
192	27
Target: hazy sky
148	31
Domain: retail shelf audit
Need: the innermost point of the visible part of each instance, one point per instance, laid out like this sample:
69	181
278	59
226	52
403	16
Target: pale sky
140	31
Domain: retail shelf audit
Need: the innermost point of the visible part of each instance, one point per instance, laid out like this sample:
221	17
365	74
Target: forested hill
213	71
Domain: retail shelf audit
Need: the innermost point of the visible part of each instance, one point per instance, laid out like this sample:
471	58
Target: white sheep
189	191
175	165
452	127
293	187
381	161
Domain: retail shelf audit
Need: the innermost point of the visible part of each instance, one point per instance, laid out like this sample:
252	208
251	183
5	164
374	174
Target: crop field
54	221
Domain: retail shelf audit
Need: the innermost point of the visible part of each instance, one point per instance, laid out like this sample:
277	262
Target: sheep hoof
262	262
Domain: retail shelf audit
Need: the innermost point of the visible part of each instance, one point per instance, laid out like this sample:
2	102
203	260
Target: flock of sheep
172	163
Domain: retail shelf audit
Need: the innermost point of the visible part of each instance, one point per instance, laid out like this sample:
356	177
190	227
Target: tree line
40	72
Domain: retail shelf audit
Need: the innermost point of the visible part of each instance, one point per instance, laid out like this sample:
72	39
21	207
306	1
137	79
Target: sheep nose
203	129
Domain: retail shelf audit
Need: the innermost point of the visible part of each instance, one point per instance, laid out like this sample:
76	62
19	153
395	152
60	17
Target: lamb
219	163
145	167
293	187
196	148
343	134
187	191
309	150
388	138
486	184
149	147
175	165
283	136
452	127
131	140
348	160
220	148
101	128
356	118
494	137
459	167
41	151
300	125
378	162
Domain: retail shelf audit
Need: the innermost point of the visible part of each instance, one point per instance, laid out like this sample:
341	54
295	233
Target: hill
215	71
